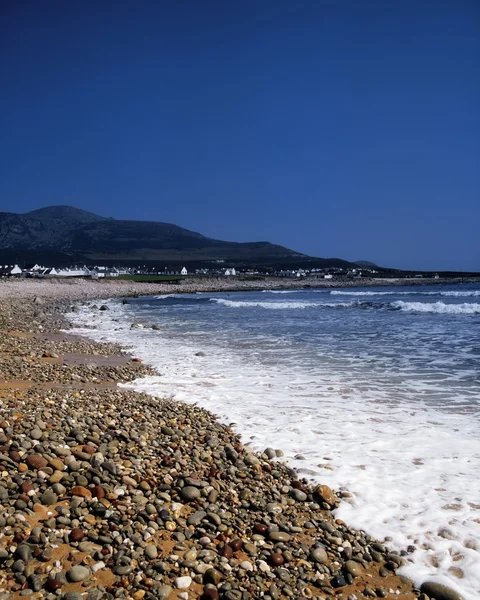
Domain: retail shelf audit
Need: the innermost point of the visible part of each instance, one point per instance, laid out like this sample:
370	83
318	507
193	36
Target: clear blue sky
344	128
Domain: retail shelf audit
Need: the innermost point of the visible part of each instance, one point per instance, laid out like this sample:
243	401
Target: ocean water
372	391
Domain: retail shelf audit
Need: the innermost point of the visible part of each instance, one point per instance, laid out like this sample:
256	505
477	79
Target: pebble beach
110	493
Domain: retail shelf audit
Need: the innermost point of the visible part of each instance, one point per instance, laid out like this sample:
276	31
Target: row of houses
40	271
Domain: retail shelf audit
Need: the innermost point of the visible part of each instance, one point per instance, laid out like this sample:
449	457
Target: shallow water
378	390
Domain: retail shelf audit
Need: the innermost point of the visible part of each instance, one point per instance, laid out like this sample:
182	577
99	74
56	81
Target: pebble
182	583
78	573
439	591
190	493
319	555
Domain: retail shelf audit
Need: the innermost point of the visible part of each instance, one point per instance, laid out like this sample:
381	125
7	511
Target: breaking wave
438	307
450	293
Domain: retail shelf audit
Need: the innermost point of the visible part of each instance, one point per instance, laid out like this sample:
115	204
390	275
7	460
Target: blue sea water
374	391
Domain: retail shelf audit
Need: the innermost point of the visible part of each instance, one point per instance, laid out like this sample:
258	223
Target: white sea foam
365	293
466	308
352	433
281	291
459	294
447	293
280	305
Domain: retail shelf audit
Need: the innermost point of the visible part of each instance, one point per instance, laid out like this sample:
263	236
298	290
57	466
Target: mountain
367	264
63	235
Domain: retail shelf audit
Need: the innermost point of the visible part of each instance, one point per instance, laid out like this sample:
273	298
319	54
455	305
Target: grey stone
48	498
163	592
78	573
151	552
279	536
353	568
189	493
439	591
298	495
197	517
319	555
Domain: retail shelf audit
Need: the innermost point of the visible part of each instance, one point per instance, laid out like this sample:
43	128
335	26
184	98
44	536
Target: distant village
97	272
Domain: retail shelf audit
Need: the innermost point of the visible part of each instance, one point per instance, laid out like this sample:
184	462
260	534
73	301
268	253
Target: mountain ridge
64	234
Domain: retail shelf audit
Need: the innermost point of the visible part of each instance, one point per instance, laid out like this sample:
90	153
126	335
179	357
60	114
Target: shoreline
81	289
290	543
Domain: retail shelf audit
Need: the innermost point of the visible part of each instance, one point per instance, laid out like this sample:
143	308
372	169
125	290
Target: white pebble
183	582
262	565
97	566
246	566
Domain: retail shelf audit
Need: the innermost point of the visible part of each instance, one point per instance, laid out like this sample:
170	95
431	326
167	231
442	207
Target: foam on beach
411	467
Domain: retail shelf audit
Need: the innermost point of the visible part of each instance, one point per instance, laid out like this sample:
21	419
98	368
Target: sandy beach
110	493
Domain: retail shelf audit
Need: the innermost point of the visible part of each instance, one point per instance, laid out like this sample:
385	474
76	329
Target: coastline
291	545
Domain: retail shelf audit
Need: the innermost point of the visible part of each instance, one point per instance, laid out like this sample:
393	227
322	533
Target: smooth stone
189	493
279	536
439	591
72	596
183	583
298	495
48	498
197	517
163	592
353	568
151	552
78	573
18	566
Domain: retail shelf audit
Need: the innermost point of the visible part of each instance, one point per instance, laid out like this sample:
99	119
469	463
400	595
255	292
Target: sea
373	391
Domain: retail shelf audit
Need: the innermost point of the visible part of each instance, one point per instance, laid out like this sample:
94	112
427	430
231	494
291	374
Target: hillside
64	235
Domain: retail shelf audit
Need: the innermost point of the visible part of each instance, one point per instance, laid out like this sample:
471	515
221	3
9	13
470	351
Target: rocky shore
109	493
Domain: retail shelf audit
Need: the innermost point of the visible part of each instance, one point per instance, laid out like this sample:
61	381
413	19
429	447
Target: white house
229	272
10	270
184	271
72	272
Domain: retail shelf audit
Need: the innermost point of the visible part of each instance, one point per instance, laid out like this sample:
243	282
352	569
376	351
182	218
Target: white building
184	271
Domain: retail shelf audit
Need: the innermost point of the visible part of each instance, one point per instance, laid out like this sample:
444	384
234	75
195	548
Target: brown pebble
81	491
15	456
210	594
260	528
226	551
36	461
76	535
236	545
276	559
89	449
22	467
51	585
98	492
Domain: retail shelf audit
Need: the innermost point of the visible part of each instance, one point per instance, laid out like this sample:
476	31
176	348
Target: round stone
298	495
279	536
78	573
190	493
48	498
36	461
353	568
183	583
319	555
151	552
439	591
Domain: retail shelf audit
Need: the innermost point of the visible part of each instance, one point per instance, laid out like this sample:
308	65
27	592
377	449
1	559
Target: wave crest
438	307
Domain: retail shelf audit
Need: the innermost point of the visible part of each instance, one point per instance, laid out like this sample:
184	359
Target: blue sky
336	127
